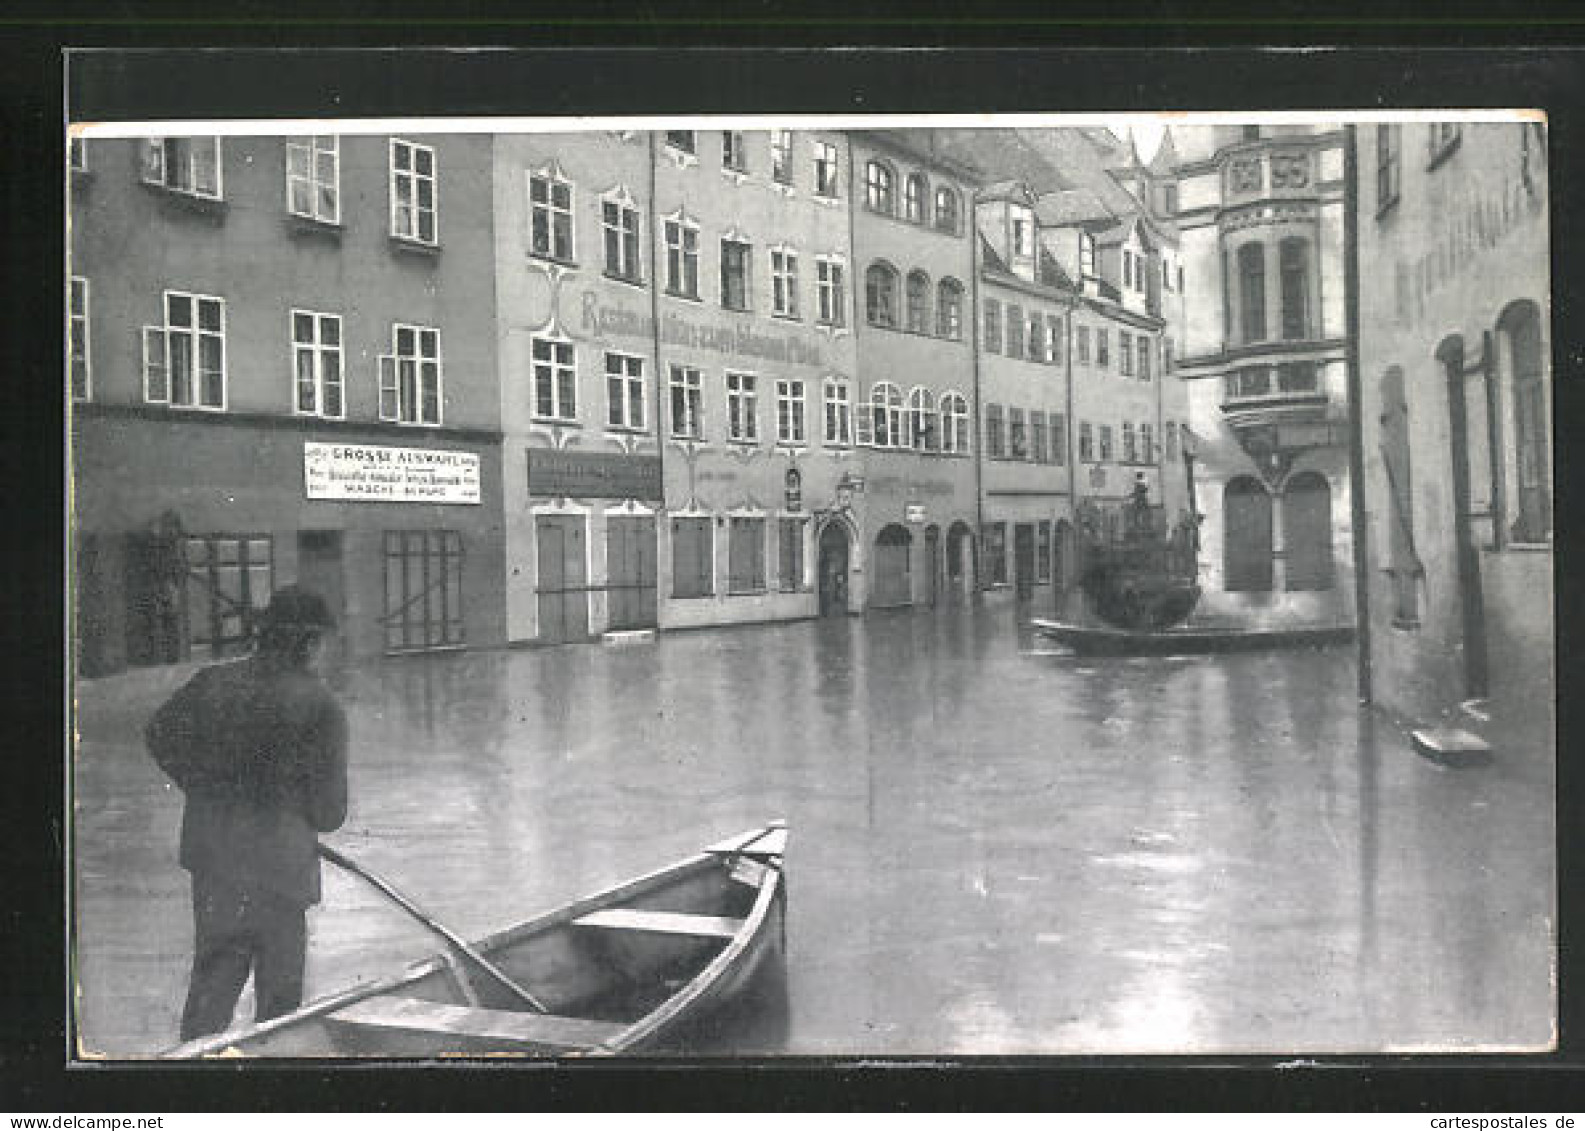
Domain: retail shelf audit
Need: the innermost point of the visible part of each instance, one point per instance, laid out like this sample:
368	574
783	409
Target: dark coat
260	750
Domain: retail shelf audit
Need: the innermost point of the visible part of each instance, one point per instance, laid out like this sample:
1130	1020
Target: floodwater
995	848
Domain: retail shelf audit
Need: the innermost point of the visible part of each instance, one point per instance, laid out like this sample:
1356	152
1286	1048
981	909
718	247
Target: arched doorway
1246	537
960	559
890	576
932	565
1307	531
833	570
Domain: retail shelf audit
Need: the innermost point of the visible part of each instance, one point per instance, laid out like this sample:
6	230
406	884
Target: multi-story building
1259	212
914	516
282	369
1455	415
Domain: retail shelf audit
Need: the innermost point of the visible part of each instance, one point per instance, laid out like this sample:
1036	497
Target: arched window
1403	563
1293	258
954	424
946	210
880	187
886	411
1252	290
915	193
949	309
1532	448
923	434
1307	531
1246	537
880	295
919	302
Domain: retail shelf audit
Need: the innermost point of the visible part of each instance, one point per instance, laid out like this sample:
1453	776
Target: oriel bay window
829	293
620	223
316	363
313	177
1294	269
790	412
790	554
735	257
413	207
1252	291
184	361
188	165
742	407
423	590
550	216
682	259
624	384
687	403
692	557
746	555
838	412
555	379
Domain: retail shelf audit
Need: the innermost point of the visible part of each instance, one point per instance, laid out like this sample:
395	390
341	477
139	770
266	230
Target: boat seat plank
415	1015
661	922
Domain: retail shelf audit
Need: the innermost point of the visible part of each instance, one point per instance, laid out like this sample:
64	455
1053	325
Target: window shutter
390	407
156	366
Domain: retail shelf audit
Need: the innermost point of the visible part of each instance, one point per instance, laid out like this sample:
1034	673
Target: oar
455	940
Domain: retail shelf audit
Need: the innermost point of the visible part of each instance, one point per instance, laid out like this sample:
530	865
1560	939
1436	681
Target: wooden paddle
454	940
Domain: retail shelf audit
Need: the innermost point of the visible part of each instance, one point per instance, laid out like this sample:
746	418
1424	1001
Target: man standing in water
258	746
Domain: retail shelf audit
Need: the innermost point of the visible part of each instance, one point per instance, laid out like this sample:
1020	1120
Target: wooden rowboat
1093	640
618	972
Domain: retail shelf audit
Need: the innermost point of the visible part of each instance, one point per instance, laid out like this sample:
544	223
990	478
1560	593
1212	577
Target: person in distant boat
258	746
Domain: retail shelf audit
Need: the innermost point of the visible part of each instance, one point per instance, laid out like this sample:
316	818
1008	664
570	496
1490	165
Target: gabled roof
1071	207
1165	162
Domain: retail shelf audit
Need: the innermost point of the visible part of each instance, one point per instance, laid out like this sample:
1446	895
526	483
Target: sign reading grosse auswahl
371	473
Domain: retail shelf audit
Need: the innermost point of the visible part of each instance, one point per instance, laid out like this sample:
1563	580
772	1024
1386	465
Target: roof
1007	190
1005	154
1082	164
1070	207
989	257
1165	162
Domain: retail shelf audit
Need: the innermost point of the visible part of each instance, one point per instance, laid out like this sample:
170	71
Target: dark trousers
235	932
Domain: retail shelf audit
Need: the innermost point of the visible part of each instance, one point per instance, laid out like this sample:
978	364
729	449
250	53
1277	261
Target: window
880	296
1252	290
1130	447
790	425
1170	439
781	145
1180	278
313	178
624	391
1081	344
680	140
184	361
1443	138
1293	260
742	407
619	222
746	556
1128	270
949	309
1037	437
1086	442
1023	234
946	210
77	339
692	557
993	536
1147	443
77	154
1055	339
1086	255
1166	274
228	583
1059	438
733	154
1125	353
1042	552
886	415
954	424
1532	445
1106	443
550	217
993	325
555	379
188	165
995	439
1015	331
1166	356
1169	196
838	412
735	258
915	193
1017	438
922	433
790	553
316	363
410	376
825	169
1389	165
1102	348
413	192
1144	345
784	283
423	590
829	293
682	259
1037	336
918	302
687	403
879	191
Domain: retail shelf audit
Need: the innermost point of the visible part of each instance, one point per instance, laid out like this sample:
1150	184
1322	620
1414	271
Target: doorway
932	565
960	560
1472	605
1024	559
630	572
319	568
561	543
892	581
833	570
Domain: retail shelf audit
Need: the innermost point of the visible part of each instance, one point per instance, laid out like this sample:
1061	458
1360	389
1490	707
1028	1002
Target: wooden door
630	572
563	578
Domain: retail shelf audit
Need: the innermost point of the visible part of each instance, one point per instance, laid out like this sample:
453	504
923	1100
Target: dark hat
292	606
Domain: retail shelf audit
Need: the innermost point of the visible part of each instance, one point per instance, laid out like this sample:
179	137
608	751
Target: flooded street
995	848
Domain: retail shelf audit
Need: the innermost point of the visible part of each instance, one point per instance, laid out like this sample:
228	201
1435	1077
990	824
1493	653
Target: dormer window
1023	235
1086	255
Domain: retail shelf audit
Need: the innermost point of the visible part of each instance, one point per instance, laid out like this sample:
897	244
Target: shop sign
593	475
372	473
737	338
914	512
